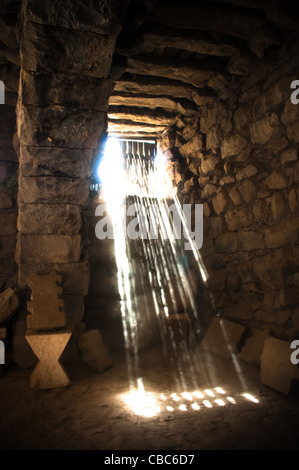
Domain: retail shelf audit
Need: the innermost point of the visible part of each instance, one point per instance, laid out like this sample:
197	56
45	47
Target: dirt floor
91	413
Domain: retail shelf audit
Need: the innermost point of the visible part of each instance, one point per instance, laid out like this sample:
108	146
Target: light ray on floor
151	404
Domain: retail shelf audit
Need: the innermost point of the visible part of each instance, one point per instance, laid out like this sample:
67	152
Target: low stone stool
48	347
47	333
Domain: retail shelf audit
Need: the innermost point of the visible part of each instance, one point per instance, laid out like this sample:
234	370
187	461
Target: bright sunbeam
112	176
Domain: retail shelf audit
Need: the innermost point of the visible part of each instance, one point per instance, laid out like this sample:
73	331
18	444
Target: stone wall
9	75
8	195
66	53
238	156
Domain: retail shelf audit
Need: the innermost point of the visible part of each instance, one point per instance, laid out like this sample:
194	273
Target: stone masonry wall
8	196
66	53
238	156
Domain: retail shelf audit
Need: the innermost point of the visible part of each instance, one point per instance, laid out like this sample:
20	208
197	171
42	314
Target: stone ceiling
172	55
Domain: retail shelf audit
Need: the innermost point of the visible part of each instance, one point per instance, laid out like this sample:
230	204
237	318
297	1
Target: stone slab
45	161
94	352
253	348
9	303
49	219
222	337
75	276
52	89
46	305
88	15
277	370
54	190
49	248
58	126
78	52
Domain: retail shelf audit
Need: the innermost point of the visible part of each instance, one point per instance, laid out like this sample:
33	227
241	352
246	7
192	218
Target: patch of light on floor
150	404
250	397
141	402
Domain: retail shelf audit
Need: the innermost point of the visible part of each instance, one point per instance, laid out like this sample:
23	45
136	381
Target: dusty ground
91	413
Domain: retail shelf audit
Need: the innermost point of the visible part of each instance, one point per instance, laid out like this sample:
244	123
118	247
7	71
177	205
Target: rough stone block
227	179
75	276
277	180
235	196
232	145
220	203
209	164
238	217
252	350
46	305
242	310
72	91
260	211
290	114
272	97
277	370
293	132
222	337
270	269
289	155
246	172
228	242
276	317
263	130
250	240
9	304
49	249
208	191
93	350
61	127
48	347
54	190
45	161
49	219
90	15
282	234
81	53
193	147
278	205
